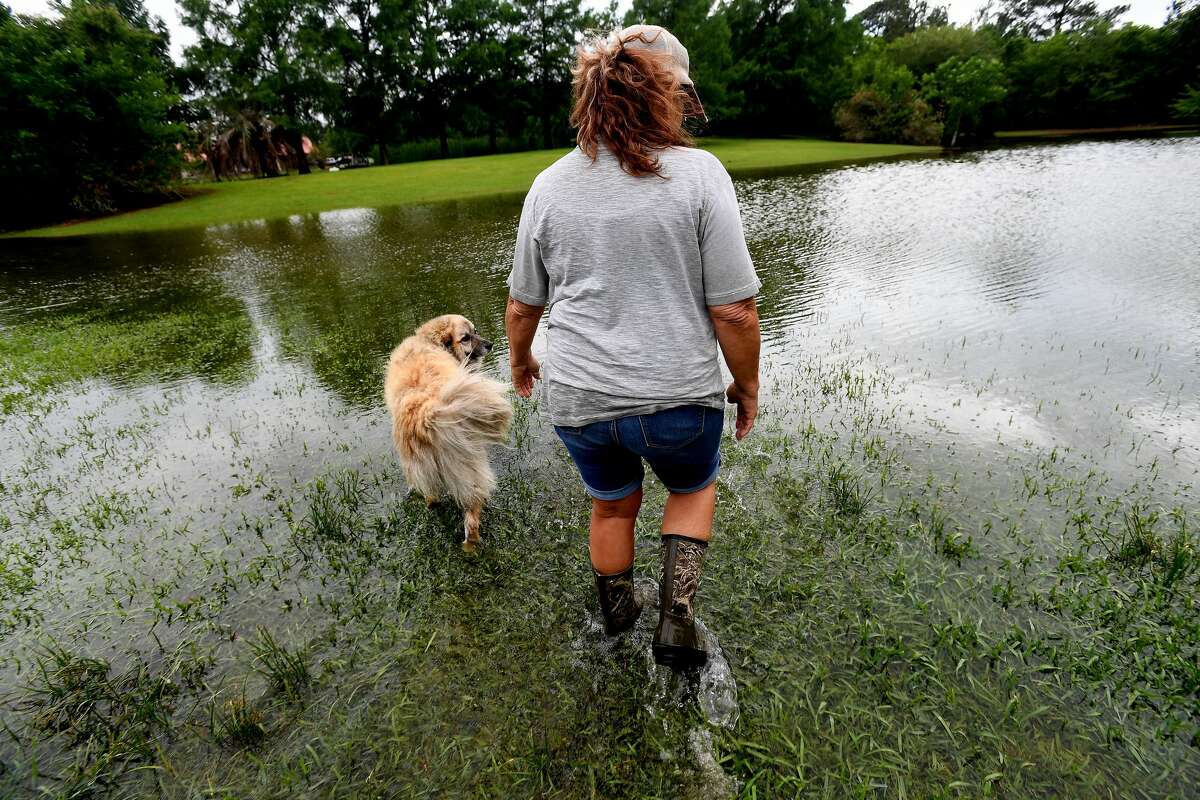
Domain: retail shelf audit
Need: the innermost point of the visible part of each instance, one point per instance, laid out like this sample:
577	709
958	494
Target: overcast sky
1144	12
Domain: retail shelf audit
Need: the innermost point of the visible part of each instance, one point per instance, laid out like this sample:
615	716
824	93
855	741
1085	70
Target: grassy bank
428	181
1085	133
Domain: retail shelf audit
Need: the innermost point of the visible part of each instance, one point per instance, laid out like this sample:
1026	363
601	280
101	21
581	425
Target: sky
1143	12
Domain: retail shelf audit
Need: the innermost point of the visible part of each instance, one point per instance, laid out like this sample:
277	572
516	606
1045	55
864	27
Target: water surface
1009	339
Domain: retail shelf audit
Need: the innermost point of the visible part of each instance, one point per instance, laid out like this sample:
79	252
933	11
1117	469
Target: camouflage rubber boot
676	644
617	603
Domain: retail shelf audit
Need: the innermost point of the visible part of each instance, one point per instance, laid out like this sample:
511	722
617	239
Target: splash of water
712	688
714	783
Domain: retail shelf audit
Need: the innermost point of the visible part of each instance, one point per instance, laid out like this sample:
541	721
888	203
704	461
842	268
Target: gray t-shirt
627	267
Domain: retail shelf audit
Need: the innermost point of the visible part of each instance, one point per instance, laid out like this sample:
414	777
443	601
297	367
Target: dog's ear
446	336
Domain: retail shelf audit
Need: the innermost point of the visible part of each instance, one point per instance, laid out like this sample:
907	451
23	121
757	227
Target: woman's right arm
520	323
528	293
736	326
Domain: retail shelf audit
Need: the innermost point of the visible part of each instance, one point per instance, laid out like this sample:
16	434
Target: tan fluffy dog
444	415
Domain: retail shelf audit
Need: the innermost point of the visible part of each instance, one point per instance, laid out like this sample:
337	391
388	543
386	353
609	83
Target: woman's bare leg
691	514
611	539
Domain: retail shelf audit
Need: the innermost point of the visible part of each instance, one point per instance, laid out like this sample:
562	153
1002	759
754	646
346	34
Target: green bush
426	149
1187	107
886	106
871	116
922	51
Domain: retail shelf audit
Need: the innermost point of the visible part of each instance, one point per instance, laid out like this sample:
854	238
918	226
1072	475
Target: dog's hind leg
471	516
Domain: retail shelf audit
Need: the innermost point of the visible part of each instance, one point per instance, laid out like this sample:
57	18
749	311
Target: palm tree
248	141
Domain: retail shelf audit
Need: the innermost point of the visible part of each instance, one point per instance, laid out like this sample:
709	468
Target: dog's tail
473	411
473	408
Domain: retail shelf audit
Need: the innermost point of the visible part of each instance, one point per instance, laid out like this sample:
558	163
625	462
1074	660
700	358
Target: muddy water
1012	326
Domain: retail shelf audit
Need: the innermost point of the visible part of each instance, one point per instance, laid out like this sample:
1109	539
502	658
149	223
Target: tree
1040	19
372	46
548	35
923	50
87	113
964	89
261	58
1098	76
708	39
246	141
485	63
433	80
789	62
891	19
1180	60
1180	7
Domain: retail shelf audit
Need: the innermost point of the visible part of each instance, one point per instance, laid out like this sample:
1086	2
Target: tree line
94	115
1024	64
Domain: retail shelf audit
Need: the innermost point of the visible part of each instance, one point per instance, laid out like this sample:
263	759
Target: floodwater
1009	339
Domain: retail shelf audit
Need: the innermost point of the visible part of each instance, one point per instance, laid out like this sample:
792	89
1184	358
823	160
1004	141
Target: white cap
654	37
662	40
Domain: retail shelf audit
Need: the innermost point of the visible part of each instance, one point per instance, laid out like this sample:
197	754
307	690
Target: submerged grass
318	632
237	723
429	181
285	669
211	340
871	657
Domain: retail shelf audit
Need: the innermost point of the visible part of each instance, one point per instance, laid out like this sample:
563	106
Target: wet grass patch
327	636
213	341
112	722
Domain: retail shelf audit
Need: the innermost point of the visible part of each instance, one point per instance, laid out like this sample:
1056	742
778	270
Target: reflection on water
335	291
1044	293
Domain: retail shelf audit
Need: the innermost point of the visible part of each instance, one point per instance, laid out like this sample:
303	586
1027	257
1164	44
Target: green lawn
426	181
1132	130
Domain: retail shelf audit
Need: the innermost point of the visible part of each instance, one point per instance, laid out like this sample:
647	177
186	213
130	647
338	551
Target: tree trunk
263	155
383	153
954	136
491	135
296	142
443	139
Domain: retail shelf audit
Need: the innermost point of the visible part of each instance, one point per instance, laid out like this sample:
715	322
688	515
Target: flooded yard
957	559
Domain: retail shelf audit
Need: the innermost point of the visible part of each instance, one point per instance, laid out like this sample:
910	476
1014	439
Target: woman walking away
634	242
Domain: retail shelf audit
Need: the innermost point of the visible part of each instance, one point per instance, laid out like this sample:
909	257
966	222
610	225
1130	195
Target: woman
634	241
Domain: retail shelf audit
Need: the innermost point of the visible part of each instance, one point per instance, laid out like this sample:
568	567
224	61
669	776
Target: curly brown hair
629	99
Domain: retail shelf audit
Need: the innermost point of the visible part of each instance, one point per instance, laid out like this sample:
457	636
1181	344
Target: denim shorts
681	444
